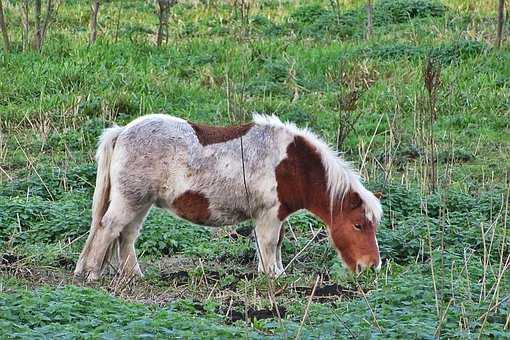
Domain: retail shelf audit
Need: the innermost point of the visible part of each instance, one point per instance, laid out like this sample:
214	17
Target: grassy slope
297	62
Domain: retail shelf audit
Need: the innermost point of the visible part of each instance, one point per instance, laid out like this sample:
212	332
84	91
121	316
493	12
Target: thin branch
3	27
25	11
47	20
501	21
94	6
370	16
308	307
38	27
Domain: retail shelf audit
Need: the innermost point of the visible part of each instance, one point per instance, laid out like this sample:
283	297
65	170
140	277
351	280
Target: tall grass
437	154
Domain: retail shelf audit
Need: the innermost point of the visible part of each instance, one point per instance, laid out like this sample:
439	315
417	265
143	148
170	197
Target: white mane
341	177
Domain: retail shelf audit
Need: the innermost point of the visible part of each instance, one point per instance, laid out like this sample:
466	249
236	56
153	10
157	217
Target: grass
445	253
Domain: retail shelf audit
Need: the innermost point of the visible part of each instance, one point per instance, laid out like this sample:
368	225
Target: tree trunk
501	20
370	24
162	14
3	27
41	23
94	5
163	8
25	10
38	27
47	20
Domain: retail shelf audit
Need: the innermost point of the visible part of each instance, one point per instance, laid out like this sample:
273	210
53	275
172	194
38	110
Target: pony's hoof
279	273
273	271
78	277
92	276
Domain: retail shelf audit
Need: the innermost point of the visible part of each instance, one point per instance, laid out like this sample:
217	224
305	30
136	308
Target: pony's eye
358	226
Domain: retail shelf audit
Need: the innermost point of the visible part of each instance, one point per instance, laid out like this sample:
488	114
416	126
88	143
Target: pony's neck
302	182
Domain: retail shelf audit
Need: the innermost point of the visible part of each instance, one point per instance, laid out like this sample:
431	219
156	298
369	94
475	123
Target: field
421	108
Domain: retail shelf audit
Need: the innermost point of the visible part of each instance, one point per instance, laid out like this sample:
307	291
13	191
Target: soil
242	313
328	292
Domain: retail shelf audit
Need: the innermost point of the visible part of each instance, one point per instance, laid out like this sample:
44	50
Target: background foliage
445	252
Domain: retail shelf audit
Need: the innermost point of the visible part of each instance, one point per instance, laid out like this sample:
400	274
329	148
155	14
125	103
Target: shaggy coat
215	176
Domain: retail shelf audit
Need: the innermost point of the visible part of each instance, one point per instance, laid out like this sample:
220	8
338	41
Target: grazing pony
214	176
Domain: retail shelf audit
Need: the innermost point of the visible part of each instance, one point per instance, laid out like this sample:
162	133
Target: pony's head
353	233
312	176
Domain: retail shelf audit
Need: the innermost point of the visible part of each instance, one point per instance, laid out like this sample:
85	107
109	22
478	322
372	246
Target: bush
393	51
164	234
342	26
417	220
306	15
52	182
34	220
399	11
447	53
458	50
265	26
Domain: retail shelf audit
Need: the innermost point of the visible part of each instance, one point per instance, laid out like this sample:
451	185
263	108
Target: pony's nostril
359	268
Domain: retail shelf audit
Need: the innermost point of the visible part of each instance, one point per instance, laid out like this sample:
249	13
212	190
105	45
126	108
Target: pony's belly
201	218
195	207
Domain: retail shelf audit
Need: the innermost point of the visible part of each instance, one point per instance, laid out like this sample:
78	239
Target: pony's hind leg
128	262
119	215
80	265
267	228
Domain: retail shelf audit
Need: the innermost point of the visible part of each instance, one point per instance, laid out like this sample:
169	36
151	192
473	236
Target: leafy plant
399	11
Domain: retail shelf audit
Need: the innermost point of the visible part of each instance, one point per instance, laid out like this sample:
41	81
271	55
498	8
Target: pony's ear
354	200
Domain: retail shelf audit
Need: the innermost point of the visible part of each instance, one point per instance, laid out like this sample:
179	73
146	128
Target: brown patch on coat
192	206
219	134
301	181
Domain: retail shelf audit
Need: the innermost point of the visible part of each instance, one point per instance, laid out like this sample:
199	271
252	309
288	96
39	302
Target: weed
399	11
445	253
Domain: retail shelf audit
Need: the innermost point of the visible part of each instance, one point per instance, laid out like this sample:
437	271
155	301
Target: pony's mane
341	177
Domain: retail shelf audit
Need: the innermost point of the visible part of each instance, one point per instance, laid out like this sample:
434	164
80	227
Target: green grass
445	254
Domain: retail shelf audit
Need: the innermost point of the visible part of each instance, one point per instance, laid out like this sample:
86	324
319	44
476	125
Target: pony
264	170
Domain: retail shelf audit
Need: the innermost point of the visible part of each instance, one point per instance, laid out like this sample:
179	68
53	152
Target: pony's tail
103	158
101	197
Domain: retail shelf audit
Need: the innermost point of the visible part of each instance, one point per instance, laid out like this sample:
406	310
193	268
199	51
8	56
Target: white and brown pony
215	176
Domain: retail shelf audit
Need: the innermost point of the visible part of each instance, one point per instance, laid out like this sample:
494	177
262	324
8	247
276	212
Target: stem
117	25
26	24
370	24
93	20
38	28
501	20
162	9
307	307
3	27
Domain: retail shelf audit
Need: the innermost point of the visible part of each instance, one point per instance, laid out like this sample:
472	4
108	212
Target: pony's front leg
267	229
279	263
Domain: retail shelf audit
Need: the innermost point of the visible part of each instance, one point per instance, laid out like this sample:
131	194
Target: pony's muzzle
368	263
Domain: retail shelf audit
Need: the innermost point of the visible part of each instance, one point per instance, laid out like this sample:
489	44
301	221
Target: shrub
164	234
265	26
315	21
306	15
52	182
399	11
34	220
447	53
459	50
393	51
451	217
